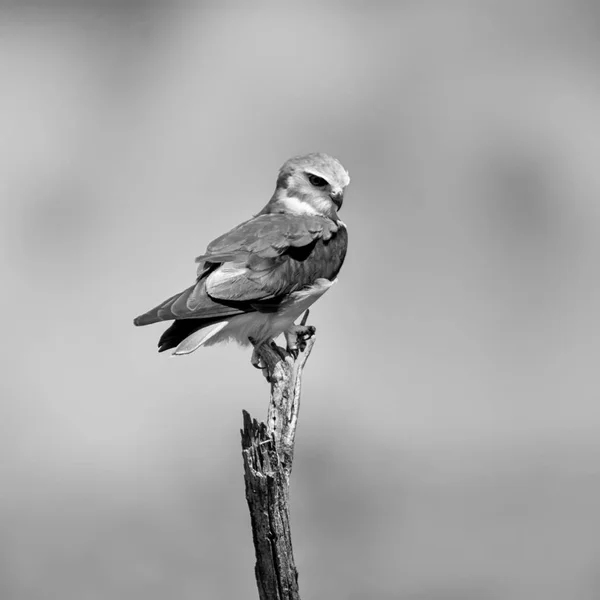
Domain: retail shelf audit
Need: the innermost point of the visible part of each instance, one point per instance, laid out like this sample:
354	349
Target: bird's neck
295	203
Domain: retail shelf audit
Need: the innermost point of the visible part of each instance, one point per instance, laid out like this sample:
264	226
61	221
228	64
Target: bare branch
268	454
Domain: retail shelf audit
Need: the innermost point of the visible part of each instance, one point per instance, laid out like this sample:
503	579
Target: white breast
266	326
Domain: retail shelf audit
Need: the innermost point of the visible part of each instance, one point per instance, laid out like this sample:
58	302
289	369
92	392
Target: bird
255	281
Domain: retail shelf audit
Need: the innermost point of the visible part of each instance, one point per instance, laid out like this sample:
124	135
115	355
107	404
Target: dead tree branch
268	453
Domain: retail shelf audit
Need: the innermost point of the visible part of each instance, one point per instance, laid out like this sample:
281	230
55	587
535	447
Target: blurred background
449	438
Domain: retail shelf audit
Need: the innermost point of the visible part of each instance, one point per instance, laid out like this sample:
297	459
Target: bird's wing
255	265
271	256
268	236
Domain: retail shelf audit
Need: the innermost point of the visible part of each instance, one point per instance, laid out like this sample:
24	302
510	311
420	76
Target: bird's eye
317	181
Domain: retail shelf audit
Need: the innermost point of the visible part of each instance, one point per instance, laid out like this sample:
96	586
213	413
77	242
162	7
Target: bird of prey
256	280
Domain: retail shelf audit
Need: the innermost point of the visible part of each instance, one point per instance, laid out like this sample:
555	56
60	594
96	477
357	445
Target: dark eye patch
317	181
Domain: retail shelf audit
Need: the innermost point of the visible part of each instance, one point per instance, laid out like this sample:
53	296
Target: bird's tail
188	335
197	318
193	303
161	312
199	338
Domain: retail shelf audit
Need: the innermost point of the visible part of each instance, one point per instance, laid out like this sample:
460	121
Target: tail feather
181	330
156	314
192	303
197	317
199	338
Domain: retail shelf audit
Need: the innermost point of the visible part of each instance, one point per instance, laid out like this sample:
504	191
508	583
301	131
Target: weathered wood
268	454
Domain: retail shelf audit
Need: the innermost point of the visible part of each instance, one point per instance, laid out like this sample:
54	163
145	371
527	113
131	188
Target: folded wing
256	265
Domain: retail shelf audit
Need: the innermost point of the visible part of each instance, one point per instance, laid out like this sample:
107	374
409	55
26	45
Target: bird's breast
263	326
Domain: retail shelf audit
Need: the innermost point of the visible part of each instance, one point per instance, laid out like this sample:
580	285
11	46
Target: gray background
448	438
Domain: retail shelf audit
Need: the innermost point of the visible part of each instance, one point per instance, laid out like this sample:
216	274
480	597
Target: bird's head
310	184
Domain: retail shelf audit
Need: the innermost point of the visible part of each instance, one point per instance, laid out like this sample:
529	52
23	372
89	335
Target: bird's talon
280	351
255	359
297	337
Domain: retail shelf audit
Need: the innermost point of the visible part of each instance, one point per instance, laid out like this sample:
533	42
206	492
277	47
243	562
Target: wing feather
257	264
264	278
268	236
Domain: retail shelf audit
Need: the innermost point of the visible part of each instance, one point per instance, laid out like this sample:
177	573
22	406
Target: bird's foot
296	338
278	349
257	361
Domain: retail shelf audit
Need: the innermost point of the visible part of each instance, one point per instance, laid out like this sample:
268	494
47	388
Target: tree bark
268	453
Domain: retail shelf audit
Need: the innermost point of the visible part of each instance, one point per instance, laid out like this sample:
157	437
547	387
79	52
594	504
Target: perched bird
256	280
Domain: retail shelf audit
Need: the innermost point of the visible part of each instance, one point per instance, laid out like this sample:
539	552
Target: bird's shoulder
269	235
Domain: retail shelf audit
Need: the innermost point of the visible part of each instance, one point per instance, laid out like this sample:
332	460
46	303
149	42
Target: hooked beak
338	198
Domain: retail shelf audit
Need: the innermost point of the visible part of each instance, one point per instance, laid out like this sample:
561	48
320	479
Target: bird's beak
337	197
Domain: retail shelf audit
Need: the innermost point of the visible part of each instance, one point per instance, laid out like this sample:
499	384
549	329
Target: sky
447	444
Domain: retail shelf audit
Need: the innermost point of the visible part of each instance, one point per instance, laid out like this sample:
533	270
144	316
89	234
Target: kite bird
256	280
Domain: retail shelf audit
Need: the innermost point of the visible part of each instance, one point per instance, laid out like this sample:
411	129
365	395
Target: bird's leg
305	317
256	360
297	335
278	349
